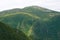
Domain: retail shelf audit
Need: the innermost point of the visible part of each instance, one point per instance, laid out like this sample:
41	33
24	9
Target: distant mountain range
36	22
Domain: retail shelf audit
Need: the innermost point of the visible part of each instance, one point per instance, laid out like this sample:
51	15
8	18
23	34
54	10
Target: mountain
49	30
36	22
7	33
36	8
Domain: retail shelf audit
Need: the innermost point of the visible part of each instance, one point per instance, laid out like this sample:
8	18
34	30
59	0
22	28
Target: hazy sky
9	4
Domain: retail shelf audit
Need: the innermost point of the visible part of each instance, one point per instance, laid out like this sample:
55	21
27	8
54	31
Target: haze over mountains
36	22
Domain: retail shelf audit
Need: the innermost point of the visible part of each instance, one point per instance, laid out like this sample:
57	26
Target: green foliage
36	22
8	33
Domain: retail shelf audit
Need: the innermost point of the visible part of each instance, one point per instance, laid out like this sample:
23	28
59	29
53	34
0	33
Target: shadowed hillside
49	30
7	33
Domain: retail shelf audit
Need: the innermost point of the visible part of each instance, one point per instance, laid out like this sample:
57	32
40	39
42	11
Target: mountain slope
49	30
7	33
33	21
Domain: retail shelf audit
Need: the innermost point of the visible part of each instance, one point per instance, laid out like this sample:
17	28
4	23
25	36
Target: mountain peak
39	8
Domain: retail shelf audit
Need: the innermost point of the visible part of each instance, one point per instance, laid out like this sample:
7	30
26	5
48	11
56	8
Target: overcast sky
9	4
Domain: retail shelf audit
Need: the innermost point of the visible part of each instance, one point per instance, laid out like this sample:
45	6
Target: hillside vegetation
35	22
7	33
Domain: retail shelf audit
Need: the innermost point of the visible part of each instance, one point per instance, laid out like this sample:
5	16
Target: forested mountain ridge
34	21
